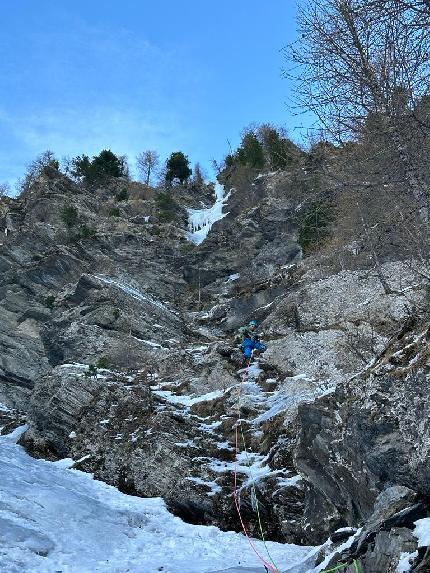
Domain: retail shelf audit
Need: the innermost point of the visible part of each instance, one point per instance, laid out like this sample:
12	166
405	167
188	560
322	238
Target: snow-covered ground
200	221
53	519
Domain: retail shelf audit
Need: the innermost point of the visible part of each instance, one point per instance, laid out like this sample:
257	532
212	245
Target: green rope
344	566
337	568
257	506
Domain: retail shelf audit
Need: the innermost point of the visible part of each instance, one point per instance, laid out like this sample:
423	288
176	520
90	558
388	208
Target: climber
250	340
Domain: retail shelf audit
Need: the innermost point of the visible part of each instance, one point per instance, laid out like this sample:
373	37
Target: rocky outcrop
116	340
369	433
76	293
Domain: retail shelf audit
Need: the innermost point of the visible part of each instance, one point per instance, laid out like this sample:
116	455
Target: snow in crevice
200	221
346	545
56	519
214	488
232	278
133	292
186	400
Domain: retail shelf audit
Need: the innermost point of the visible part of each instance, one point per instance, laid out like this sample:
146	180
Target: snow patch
53	519
187	400
148	342
404	565
15	435
250	464
346	545
65	463
213	486
74	365
186	444
231	278
288	482
210	428
422	531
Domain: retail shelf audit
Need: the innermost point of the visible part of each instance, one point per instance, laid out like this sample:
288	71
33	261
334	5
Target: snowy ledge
200	221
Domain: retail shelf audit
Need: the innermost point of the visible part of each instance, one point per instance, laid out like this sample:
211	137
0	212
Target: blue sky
79	76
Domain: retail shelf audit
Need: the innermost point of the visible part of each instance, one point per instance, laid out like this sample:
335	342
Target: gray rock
160	312
390	501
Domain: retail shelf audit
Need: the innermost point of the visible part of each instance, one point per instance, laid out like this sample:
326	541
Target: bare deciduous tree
147	162
362	61
4	189
354	61
198	176
35	169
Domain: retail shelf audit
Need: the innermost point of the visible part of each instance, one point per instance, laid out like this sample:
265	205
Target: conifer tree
178	167
250	151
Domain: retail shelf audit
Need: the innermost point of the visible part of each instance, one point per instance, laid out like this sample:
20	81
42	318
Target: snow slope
53	519
200	221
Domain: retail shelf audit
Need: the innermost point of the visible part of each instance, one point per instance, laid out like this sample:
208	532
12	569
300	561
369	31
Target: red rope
268	566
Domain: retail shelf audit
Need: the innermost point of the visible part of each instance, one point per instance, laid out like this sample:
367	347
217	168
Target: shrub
166	207
103	362
250	151
69	215
122	195
315	225
50	301
320	152
279	151
91	372
265	146
82	232
114	212
4	189
85	232
229	160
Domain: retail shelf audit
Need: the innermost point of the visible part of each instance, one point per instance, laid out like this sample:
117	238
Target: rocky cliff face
333	416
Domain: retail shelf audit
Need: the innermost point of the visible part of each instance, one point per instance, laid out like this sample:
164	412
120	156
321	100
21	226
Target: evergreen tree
101	167
107	164
279	151
250	151
178	167
69	214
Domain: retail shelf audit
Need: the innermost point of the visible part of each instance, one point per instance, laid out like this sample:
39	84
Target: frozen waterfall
200	221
